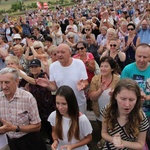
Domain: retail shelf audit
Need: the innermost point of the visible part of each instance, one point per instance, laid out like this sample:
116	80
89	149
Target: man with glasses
67	71
140	72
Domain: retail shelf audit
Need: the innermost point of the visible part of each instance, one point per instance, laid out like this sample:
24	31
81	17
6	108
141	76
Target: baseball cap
35	62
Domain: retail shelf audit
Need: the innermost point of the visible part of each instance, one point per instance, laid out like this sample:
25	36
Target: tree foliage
17	6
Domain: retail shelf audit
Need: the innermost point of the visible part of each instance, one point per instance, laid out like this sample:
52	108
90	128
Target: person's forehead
6	76
17	48
9	61
80	44
87	26
35	29
110	33
102	29
144	51
124	25
62	48
113	41
145	23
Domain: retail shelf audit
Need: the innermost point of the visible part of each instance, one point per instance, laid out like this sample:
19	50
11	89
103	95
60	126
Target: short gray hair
13	71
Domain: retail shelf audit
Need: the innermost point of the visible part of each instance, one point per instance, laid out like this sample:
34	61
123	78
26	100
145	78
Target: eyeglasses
80	48
87	29
113	45
37	48
17	39
130	29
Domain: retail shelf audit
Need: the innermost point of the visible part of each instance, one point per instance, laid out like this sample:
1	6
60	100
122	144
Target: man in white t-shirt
67	71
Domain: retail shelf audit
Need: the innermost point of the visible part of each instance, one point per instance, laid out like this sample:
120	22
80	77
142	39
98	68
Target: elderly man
143	30
18	114
67	71
140	72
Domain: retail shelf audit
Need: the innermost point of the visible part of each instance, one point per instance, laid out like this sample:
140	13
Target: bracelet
56	140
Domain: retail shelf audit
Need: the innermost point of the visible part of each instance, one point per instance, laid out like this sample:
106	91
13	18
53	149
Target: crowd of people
57	64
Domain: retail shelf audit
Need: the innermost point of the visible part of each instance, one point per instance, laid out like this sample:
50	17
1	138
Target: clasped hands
117	141
64	147
6	126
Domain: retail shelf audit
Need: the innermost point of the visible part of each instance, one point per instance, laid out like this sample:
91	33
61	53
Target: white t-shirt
70	75
136	20
84	126
3	140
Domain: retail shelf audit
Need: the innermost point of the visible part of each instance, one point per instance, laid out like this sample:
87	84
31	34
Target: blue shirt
144	35
141	77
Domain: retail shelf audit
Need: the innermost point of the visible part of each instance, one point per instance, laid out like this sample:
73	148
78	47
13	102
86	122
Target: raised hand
44	82
80	85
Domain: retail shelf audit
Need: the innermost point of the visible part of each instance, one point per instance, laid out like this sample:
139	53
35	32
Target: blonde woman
56	34
88	31
52	52
105	42
37	49
23	62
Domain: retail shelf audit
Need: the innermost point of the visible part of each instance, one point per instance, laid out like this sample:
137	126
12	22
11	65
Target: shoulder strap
126	38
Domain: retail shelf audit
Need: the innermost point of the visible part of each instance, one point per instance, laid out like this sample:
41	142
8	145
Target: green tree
17	6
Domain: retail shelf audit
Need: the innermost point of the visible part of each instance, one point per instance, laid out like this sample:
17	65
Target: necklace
109	82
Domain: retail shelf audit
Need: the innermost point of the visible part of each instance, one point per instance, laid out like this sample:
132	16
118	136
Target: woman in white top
70	128
56	34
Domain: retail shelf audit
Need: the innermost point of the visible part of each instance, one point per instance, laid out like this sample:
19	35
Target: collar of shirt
16	95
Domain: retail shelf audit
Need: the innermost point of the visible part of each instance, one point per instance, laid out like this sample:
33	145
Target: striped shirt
144	125
21	110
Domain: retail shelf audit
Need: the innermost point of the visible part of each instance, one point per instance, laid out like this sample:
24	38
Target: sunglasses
37	48
87	29
130	29
80	48
17	39
113	45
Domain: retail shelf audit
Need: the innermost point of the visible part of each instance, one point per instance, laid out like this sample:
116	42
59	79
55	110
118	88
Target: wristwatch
17	129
